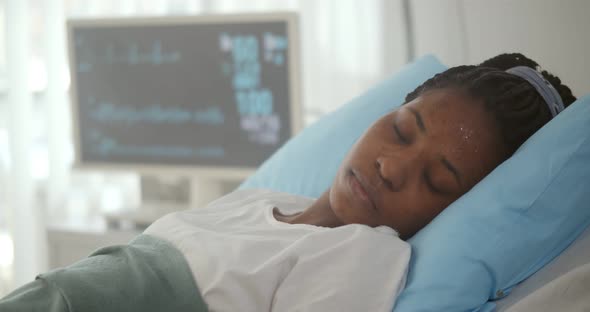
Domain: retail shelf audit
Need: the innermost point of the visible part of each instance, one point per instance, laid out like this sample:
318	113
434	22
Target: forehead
460	129
445	105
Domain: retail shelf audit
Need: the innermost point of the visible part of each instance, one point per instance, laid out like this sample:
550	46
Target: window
2	49
6	258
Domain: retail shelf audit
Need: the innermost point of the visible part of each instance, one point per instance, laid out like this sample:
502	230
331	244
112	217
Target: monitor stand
163	195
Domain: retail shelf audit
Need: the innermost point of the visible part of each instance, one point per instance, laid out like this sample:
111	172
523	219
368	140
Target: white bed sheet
575	256
568	292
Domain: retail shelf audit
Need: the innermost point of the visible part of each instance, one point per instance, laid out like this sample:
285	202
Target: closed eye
399	135
431	185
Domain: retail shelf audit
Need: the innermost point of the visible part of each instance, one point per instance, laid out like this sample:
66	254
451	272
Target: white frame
226	173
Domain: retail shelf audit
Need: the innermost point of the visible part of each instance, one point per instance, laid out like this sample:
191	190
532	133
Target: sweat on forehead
464	130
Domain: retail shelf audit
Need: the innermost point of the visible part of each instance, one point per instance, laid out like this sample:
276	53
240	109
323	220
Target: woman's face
412	163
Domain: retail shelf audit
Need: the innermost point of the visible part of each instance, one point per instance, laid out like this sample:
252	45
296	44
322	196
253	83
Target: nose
394	170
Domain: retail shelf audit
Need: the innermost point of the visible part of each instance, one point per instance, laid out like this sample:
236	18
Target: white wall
552	32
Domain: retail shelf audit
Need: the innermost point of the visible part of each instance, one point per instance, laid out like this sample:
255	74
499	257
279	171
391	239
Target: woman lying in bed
257	250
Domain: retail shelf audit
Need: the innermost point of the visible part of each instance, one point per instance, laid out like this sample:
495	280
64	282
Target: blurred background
50	214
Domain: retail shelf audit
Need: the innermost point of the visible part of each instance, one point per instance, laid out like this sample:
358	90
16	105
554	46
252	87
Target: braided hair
517	106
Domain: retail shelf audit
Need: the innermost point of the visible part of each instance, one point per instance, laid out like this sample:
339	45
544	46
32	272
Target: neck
320	213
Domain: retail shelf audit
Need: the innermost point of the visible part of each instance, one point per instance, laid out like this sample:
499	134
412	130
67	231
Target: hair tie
543	87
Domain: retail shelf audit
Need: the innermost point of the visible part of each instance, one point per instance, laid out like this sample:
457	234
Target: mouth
361	189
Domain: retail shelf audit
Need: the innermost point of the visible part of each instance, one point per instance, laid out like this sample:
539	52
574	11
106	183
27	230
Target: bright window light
6	251
6	260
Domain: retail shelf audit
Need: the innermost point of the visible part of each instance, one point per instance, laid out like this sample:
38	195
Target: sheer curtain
347	46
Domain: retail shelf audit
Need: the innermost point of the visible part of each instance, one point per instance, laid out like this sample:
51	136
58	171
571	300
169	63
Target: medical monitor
212	95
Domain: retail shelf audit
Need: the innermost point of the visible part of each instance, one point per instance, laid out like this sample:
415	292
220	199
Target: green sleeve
148	275
39	295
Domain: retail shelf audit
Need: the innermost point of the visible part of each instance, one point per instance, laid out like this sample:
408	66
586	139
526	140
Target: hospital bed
564	283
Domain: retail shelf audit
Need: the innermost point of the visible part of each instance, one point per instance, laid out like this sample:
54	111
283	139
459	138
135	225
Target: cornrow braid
518	108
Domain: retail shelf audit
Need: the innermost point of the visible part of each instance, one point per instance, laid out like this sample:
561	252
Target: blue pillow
307	164
509	225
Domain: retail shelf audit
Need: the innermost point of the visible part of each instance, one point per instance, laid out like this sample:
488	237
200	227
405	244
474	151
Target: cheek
336	193
411	212
338	196
429	212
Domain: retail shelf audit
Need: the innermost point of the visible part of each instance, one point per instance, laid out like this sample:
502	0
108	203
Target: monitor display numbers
254	102
211	94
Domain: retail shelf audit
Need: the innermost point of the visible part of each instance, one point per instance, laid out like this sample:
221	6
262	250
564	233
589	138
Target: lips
361	189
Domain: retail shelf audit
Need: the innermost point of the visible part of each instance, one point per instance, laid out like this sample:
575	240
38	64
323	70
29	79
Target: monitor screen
211	94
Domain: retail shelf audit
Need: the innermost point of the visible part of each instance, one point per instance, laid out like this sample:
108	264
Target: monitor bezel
226	173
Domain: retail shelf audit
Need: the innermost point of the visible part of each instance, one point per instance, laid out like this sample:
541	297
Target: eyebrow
419	120
451	168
